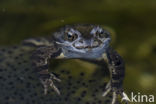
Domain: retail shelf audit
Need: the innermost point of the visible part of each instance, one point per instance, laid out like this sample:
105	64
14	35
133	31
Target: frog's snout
87	44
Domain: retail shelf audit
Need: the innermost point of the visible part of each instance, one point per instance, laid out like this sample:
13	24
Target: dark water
132	24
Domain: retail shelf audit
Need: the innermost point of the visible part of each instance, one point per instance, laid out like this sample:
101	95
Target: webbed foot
116	93
49	82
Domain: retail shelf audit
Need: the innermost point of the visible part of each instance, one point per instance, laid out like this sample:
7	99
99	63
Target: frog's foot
49	82
124	97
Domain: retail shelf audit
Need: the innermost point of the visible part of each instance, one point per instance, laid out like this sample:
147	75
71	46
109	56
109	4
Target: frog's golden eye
71	37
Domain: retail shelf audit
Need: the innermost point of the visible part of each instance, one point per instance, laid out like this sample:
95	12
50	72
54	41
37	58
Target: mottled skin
85	42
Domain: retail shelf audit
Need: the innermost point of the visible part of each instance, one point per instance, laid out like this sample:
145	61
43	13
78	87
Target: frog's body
84	42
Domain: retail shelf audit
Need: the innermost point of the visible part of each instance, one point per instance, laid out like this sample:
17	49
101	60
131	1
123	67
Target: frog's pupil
70	36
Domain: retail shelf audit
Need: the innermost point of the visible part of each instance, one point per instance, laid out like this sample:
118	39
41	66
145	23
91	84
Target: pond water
132	24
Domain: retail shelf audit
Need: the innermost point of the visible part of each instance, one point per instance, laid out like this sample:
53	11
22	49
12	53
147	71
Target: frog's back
20	84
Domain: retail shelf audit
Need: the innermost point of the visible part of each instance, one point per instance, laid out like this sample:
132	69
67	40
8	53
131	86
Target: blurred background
132	23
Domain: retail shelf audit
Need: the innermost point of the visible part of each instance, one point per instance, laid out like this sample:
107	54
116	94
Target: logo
139	98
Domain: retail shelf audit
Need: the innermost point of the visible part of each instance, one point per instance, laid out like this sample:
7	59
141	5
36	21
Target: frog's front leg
40	60
117	71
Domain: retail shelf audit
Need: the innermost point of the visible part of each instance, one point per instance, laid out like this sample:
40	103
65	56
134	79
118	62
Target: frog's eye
102	34
71	36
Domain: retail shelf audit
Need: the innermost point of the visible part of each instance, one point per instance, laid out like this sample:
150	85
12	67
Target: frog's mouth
91	45
87	46
94	45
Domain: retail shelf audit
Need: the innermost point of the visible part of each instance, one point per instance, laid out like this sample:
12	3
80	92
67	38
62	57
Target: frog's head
83	40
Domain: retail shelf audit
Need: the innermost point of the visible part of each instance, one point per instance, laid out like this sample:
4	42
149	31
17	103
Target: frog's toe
49	82
107	89
106	92
114	99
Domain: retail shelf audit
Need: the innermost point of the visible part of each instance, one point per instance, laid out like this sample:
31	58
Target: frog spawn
19	82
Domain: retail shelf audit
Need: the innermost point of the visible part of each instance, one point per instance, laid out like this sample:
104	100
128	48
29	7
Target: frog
87	42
